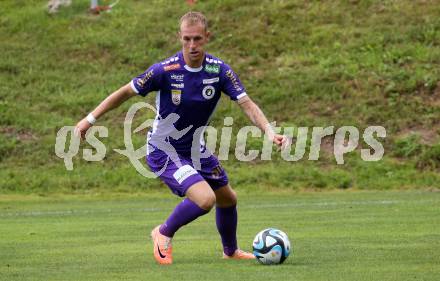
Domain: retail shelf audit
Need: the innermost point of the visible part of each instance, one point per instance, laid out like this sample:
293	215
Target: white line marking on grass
38	213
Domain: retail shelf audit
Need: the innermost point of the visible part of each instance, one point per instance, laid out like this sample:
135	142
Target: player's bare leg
201	194
226	219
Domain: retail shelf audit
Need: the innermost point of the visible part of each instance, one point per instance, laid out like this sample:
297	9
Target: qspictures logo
205	139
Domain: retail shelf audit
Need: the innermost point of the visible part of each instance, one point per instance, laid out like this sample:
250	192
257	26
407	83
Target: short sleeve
148	81
231	84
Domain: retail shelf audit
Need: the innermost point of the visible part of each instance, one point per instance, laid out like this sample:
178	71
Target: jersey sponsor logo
176	96
210	81
178	86
208	92
141	82
171	67
212	68
177	77
234	80
183	173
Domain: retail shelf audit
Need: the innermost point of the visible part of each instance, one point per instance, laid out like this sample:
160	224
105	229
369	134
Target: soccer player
188	86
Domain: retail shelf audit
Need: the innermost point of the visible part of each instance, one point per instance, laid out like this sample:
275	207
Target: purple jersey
191	93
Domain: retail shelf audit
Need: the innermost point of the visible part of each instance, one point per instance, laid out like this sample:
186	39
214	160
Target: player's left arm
258	118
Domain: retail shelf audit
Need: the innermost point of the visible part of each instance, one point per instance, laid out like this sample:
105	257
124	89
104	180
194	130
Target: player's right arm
112	101
140	85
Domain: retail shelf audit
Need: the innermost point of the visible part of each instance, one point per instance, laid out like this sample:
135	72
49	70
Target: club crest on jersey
176	96
212	68
208	92
171	67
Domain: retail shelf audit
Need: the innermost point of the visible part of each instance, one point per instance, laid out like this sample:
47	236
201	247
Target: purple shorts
180	176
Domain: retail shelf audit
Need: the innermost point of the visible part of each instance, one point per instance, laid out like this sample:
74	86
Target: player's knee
207	202
232	198
227	199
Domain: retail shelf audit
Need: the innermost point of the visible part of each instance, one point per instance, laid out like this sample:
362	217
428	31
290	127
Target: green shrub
429	158
408	146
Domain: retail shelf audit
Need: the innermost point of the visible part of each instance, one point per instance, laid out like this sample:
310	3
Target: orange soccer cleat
162	248
240	255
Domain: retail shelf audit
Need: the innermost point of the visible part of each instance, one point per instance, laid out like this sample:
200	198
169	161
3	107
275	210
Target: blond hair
193	18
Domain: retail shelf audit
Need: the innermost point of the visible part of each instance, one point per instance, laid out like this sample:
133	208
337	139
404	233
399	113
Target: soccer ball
271	246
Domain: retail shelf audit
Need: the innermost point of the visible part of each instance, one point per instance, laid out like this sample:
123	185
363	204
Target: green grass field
335	235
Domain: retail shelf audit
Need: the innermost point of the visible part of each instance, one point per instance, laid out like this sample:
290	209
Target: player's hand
281	141
81	128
